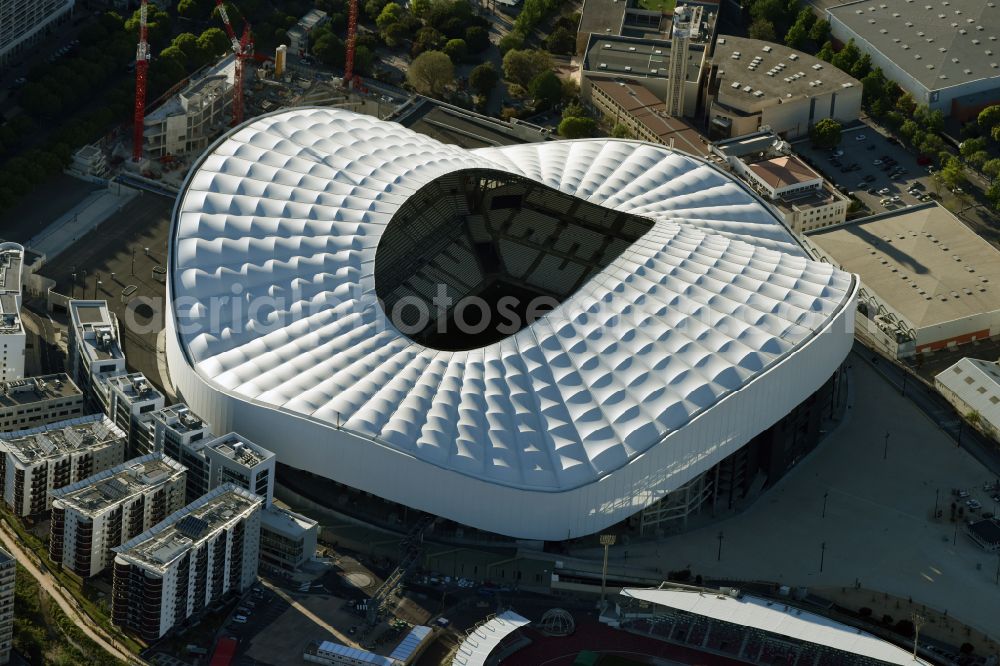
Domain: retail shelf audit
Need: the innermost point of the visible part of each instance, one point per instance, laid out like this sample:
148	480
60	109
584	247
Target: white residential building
25	22
94	515
36	461
179	433
94	350
34	401
133	401
203	553
287	539
12	337
8	571
233	458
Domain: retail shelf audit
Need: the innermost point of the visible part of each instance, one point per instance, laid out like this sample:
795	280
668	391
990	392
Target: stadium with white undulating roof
538	340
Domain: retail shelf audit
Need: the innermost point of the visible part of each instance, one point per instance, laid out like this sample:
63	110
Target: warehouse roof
766	73
923	261
638	57
940	43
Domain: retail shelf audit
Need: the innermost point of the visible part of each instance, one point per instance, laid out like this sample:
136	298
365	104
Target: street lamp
885	451
825	496
822	555
918	621
720	537
607	540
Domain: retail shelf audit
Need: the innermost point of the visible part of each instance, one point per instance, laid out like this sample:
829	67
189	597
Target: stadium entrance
476	255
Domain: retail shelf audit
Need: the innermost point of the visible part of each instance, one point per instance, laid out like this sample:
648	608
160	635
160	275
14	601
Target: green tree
971	146
826	133
477	39
577	128
421	8
820	31
796	36
993	195
561	41
991	169
768	10
521	67
826	52
513	40
456	50
762	29
977	159
620	131
951	174
909	129
862	66
575	110
373	8
157	24
932	121
213	42
546	89
483	78
390	14
846	57
329	49
431	73
395	34
989	117
193	9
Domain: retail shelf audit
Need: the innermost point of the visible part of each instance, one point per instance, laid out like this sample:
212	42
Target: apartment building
12	337
206	551
132	403
36	461
94	515
25	22
94	350
287	539
176	432
34	401
8	571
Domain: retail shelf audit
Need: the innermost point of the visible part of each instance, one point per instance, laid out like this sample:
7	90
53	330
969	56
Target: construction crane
352	37
141	66
243	50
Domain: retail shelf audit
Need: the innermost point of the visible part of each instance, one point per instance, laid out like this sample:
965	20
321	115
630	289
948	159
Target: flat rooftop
940	43
924	261
239	449
36	389
120	483
57	439
602	16
180	418
217	78
96	330
648	109
811	198
179	532
135	386
766	73
647	58
11	260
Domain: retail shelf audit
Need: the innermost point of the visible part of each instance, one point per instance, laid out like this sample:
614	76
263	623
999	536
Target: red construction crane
141	65
243	50
352	38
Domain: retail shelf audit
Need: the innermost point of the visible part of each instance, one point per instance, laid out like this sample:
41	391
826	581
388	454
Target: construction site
171	131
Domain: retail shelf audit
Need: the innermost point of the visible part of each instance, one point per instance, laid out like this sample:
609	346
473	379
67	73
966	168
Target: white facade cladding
696	337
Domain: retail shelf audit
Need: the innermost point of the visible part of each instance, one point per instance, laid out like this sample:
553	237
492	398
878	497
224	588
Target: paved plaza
878	531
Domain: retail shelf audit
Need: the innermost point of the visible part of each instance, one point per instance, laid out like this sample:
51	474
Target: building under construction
189	121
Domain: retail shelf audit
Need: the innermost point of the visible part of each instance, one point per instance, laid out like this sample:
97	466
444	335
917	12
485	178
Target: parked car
877	162
860	137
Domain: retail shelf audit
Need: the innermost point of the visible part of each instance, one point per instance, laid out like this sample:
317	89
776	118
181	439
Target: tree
395	34
575	110
213	42
971	146
577	128
768	10
820	31
826	133
157	24
390	14
846	57
762	29
546	89
991	169
932	121
193	9
521	67
909	129
430	73
951	174
989	117
421	8
826	53
456	50
977	159
329	49
862	66
796	36
993	195
483	78
561	41
477	39
511	41
373	8
620	131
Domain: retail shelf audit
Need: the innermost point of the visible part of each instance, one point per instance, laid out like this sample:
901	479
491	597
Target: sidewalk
54	590
80	220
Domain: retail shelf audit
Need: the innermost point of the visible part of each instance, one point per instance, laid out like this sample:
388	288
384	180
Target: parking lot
874	168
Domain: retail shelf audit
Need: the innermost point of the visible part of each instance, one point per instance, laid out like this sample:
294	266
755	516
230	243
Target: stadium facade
538	341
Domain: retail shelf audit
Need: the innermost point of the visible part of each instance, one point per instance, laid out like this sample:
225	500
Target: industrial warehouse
678	311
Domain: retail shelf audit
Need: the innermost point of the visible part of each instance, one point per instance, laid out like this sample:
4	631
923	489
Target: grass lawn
665	6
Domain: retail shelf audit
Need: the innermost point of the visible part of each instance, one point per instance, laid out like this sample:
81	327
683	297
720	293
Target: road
54	590
937	409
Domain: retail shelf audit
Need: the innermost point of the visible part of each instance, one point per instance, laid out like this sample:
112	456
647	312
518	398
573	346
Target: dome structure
536	340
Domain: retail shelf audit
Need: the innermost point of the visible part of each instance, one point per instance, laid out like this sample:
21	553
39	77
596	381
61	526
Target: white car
877	162
240	619
860	137
897	198
884	190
